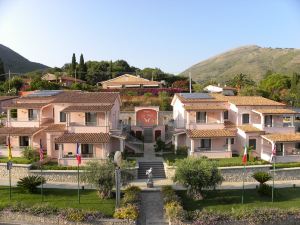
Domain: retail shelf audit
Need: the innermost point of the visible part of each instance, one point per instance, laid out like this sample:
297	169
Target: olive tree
196	174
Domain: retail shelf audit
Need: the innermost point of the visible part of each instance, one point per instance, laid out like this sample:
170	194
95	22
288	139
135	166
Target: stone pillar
60	149
175	143
229	145
192	147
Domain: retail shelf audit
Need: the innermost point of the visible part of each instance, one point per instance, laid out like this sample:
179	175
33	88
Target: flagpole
9	174
9	165
243	184
273	180
41	164
42	181
78	189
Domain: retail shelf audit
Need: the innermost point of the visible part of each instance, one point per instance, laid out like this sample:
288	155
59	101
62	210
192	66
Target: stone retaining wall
15	217
235	173
69	176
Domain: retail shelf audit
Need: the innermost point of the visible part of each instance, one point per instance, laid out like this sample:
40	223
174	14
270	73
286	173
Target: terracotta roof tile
23	105
229	124
204	107
86	97
88	108
3	98
275	111
283	137
211	133
198	100
84	138
250	129
247	100
5	131
56	127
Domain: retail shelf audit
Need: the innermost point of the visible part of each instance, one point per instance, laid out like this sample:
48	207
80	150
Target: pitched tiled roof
247	100
249	129
84	138
198	100
5	131
88	108
3	98
86	97
21	105
229	124
275	111
56	127
283	137
211	133
133	83
204	107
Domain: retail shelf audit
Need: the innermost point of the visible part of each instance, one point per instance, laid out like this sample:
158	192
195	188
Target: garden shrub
265	189
30	154
131	195
132	93
160	145
130	212
174	210
262	177
148	94
74	215
42	209
182	150
29	184
169	195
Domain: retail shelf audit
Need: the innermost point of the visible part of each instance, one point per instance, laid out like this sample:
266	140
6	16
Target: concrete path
152	209
149	153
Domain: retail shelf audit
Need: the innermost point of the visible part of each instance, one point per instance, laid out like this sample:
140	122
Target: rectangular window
62	117
279	149
232	141
268	121
32	114
226	115
14	113
201	117
245	118
252	143
23	141
56	147
91	118
87	150
205	144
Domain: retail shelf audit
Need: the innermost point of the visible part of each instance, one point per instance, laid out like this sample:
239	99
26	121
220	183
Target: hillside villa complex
217	126
212	125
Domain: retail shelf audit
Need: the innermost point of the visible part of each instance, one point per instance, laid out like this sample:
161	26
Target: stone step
158	169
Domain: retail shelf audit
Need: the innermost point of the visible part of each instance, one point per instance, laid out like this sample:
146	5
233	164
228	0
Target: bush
42	209
160	145
130	212
131	195
174	210
74	215
132	93
148	94
182	150
196	174
265	189
30	154
262	177
29	184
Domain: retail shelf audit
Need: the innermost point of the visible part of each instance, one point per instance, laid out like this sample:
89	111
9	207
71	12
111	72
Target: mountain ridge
17	63
249	59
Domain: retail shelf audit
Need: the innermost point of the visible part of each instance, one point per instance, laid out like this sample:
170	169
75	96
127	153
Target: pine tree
73	64
2	77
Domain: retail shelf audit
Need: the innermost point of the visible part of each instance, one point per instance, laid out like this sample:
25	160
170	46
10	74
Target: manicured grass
60	198
287	165
16	160
53	165
237	161
230	200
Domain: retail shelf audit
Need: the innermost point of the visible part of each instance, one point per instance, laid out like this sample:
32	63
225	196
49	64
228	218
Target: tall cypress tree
73	64
82	69
2	72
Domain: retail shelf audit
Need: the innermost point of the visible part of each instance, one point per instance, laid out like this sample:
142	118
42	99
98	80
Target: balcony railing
89	124
200	149
190	124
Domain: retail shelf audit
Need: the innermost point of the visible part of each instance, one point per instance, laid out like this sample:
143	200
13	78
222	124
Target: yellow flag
9	149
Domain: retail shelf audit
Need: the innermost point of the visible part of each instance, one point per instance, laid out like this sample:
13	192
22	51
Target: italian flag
244	160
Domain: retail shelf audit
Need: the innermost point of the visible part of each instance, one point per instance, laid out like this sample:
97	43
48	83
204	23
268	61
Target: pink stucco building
217	126
60	120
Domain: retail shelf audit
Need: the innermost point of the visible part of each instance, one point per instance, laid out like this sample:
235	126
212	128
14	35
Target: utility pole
8	80
190	76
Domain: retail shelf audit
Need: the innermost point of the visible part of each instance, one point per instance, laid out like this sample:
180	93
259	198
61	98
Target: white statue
150	176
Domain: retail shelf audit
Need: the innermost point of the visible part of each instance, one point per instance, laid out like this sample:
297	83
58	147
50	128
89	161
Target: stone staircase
148	135
158	169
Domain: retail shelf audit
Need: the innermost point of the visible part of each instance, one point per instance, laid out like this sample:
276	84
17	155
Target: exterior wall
50	137
57	109
178	114
47	114
115	115
4	103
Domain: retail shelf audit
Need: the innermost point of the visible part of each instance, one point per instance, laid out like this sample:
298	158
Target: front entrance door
157	134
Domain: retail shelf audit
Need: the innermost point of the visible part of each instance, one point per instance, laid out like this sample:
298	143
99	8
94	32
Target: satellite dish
118	158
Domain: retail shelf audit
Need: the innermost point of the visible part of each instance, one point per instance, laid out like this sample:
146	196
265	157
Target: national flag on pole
9	149
78	155
244	160
273	155
41	151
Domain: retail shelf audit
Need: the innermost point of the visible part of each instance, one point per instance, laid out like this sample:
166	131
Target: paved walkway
152	210
149	153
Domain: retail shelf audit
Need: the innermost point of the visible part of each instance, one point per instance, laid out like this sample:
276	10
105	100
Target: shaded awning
282	137
19	131
211	133
88	108
83	138
274	111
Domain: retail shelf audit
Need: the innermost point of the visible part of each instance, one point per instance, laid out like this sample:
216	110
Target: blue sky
169	34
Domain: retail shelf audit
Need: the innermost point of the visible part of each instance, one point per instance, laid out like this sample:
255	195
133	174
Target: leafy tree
196	174
239	81
159	146
97	71
120	67
16	83
164	101
73	63
294	94
82	69
2	72
39	84
249	90
184	84
197	87
273	85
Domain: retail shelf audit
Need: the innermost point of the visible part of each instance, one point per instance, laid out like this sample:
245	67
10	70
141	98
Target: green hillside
252	60
17	63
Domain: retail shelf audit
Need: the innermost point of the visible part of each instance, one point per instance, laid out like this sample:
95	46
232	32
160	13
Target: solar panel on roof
196	96
45	93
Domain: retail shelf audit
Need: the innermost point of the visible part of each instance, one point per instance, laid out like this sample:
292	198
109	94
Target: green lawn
60	198
16	160
170	158
230	200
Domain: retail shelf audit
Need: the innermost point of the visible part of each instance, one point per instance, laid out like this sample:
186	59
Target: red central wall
146	117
